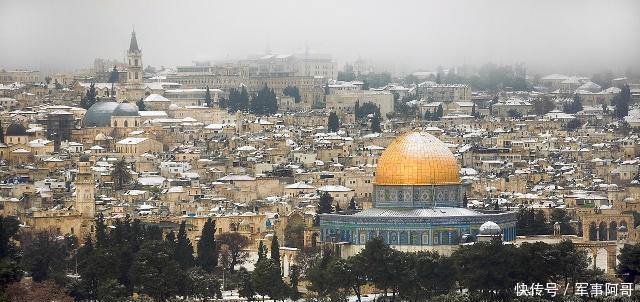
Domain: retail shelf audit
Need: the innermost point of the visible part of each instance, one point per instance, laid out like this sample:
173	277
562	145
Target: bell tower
134	74
85	186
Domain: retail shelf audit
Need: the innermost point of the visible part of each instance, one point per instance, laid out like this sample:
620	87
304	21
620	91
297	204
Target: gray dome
99	114
126	109
84	157
16	129
490	228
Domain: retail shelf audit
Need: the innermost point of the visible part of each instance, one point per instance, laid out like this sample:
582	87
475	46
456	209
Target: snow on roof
299	185
132	140
334	188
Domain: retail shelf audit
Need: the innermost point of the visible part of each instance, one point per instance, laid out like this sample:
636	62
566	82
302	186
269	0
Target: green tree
484	269
266	278
375	124
275	250
183	250
573	124
377	258
207	98
246	289
264	102
325	203
348	274
44	255
435	274
352	204
572	263
292	91
113	78
364	110
9	254
101	231
294	234
233	247
439	113
201	284
538	262
629	262
90	98
513	113
141	105
155	273
621	102
574	106
543	105
243	99
320	281
560	216
262	251
120	174
207	249
294	277
1	134
333	124
532	222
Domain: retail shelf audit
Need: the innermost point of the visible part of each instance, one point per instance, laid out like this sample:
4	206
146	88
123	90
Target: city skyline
576	37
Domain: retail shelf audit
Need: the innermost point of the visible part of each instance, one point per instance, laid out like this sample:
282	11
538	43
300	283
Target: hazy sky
548	35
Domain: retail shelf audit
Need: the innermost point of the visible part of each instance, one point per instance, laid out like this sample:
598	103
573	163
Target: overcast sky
570	36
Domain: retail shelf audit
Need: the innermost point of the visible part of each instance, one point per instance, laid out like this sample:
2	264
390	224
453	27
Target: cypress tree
207	98
375	124
333	124
183	253
1	133
324	204
275	250
207	251
243	99
262	252
440	112
141	105
352	204
621	102
101	232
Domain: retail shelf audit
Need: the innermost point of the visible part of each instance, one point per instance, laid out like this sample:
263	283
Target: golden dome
417	158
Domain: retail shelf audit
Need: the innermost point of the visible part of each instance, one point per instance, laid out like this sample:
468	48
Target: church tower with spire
135	72
85	186
134	76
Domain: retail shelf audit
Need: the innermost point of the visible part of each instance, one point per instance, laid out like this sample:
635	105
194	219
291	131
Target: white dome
173	107
629	199
490	228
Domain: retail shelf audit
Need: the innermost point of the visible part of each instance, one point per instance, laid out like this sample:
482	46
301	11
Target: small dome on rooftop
126	109
490	228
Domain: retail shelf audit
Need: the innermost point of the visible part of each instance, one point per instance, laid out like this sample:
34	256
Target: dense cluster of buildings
420	185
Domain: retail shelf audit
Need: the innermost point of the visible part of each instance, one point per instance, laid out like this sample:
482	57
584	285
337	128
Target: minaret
134	76
85	184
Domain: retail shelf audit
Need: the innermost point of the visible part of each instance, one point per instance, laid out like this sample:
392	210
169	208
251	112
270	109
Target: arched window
602	232
115	123
126	123
613	231
136	75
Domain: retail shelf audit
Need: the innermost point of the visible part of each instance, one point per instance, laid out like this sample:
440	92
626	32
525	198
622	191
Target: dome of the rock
417	158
